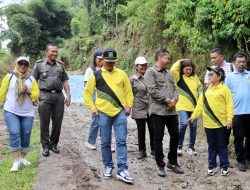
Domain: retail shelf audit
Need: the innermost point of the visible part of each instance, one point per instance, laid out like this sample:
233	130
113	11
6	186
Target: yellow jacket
5	86
220	101
185	102
119	83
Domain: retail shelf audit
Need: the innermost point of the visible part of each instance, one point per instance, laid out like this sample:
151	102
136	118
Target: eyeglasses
210	74
23	64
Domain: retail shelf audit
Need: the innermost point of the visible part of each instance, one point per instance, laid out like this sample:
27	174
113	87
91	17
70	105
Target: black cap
217	69
109	55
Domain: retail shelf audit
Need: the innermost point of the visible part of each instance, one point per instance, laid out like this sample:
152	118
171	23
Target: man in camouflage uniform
52	78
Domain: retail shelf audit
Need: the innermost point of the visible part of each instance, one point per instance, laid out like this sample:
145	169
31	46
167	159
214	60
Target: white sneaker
224	172
212	171
24	162
192	152
112	148
15	166
107	174
90	146
125	176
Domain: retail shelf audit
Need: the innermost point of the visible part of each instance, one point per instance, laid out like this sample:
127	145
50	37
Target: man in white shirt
217	59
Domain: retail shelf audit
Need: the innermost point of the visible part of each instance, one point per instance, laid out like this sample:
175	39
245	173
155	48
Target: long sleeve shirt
220	101
7	93
185	102
119	83
140	107
161	88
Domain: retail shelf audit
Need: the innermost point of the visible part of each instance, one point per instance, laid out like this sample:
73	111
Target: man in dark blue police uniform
52	78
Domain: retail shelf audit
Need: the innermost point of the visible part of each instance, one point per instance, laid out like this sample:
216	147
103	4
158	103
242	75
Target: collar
237	72
47	61
105	70
218	86
138	76
223	64
159	69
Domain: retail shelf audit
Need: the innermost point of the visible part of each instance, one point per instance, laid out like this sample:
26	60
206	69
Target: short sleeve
87	74
35	71
64	75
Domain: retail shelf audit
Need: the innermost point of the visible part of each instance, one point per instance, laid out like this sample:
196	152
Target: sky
7	2
3	22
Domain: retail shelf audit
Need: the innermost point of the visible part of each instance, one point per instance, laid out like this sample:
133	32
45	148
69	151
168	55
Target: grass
23	179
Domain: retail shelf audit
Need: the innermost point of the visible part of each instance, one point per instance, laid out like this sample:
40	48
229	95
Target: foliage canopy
35	24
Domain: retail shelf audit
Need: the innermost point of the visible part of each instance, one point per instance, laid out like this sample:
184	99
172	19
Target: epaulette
39	61
60	62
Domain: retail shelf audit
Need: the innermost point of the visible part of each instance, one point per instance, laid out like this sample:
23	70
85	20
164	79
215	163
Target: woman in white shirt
93	130
20	92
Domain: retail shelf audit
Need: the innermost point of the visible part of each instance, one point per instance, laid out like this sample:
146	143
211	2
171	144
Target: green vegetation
35	24
23	179
6	63
189	28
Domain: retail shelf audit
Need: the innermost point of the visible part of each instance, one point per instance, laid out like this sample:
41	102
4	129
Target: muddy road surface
78	168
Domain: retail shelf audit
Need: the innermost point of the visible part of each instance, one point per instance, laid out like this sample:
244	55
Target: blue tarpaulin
76	88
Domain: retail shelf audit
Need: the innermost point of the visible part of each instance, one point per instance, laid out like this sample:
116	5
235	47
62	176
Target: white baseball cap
23	58
140	61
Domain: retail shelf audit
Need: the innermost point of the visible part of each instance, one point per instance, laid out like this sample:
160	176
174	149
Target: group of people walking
155	97
174	98
21	90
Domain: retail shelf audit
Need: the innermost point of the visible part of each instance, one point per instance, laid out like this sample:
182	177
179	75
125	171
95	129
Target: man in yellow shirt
114	99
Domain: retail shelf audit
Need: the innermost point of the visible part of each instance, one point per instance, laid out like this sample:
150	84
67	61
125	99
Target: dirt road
78	168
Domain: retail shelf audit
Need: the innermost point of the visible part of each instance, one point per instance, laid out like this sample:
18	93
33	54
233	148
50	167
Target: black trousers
241	131
159	123
141	128
217	145
51	106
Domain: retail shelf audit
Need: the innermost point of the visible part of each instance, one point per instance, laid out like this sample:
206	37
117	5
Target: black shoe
248	164
242	167
161	172
152	153
45	152
142	154
175	168
54	149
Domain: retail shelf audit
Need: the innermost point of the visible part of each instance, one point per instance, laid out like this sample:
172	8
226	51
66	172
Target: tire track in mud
77	168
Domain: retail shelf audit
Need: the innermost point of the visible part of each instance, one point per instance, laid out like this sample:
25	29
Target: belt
51	91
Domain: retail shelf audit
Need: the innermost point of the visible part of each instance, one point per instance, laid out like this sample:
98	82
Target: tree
204	24
37	23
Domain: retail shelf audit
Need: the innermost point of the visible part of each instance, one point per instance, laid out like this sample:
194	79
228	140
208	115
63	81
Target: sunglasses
23	64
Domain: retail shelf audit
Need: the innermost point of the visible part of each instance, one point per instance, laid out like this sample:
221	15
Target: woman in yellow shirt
216	106
189	87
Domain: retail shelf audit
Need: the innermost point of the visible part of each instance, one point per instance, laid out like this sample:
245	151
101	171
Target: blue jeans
119	123
19	128
217	144
183	117
93	131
